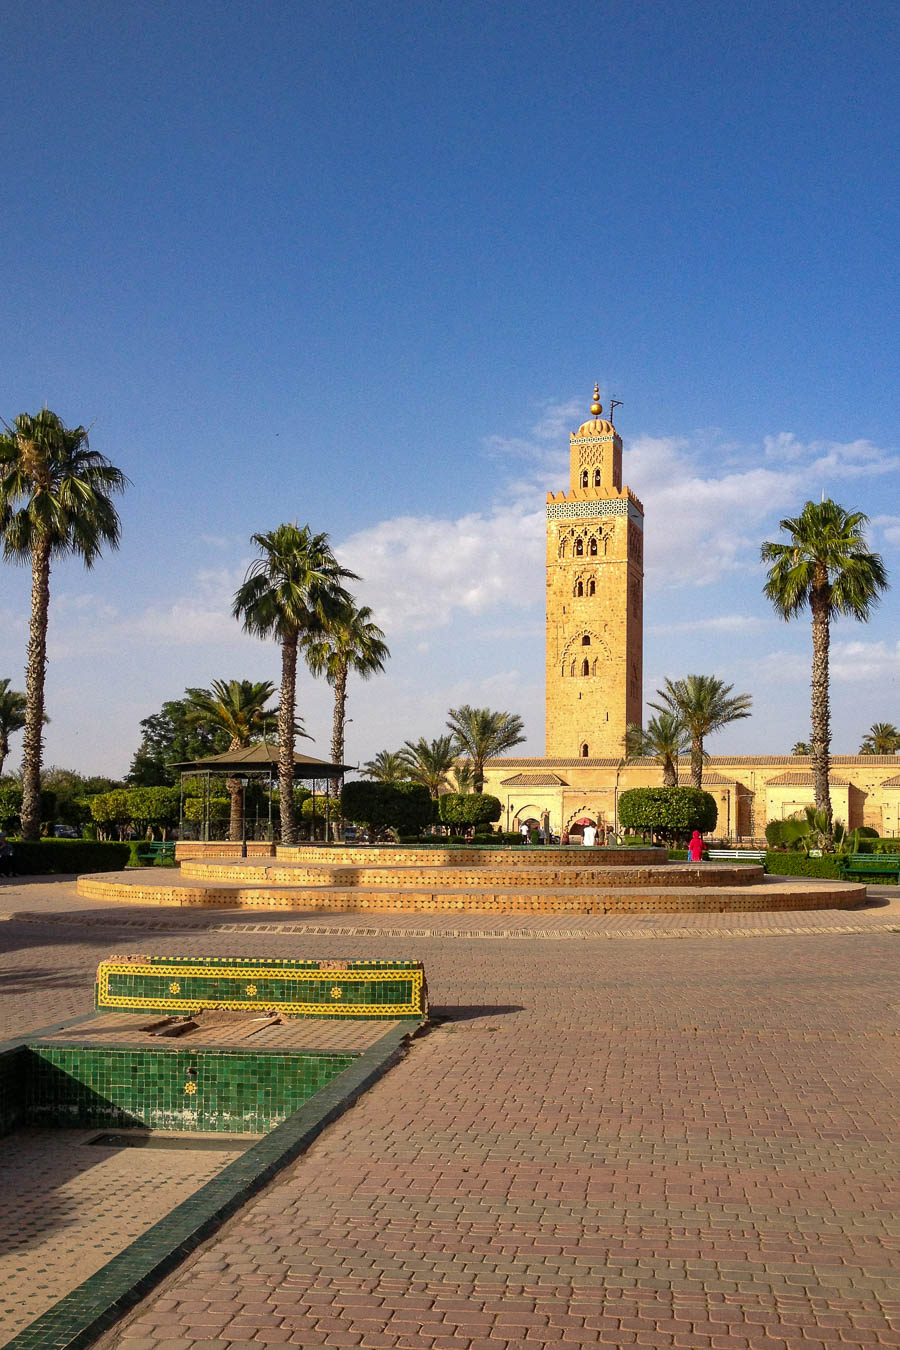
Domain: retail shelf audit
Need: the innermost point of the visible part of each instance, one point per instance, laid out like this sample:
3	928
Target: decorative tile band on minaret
595	584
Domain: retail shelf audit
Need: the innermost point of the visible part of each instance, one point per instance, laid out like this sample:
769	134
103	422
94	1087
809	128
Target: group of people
591	837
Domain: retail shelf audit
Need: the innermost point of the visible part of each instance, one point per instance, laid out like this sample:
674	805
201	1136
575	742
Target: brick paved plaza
684	1142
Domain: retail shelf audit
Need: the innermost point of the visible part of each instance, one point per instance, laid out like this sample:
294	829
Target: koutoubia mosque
594	662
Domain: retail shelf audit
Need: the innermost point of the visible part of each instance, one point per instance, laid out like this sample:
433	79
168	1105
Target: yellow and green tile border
185	984
80	1316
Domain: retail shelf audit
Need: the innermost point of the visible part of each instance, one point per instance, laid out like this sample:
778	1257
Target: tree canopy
480	734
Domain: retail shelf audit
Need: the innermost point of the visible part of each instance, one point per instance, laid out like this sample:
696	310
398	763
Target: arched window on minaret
584	750
592	587
584	478
572	671
586	640
579	548
593	548
579	588
585	667
596	478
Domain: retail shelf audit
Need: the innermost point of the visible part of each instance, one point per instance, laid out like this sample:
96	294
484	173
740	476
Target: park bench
756	855
870	865
155	850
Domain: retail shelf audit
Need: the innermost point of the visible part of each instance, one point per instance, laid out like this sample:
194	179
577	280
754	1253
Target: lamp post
244	782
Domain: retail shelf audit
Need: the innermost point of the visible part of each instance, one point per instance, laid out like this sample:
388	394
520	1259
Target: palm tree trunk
286	713
821	712
340	712
34	691
236	822
670	774
697	762
4	751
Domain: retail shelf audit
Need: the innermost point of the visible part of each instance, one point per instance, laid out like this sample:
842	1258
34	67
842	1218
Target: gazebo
256	764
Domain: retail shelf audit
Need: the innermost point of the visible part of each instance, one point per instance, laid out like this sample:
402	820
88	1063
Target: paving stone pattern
673	1143
67	1207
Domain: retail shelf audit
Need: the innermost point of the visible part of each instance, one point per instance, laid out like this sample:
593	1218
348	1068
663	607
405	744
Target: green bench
156	850
871	865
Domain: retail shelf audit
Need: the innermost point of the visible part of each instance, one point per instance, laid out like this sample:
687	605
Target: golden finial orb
596	406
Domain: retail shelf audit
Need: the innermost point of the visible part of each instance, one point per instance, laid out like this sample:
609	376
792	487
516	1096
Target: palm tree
388	766
703	704
350	642
236	707
664	738
882	738
801	748
825	566
462	777
12	716
55	500
429	762
481	734
291	592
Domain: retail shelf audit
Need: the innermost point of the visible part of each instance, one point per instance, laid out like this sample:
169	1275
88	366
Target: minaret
595	583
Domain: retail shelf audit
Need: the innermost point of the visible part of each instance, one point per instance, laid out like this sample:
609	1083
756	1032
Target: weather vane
613	404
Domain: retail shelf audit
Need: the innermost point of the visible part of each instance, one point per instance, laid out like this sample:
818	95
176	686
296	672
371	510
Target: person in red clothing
695	848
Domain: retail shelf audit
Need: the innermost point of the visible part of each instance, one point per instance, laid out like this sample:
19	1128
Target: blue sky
359	265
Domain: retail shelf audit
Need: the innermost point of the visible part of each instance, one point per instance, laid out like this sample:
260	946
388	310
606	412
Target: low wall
547	855
221	848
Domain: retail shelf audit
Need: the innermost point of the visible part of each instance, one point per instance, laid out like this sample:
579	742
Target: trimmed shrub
673	812
41	857
404	807
798	865
471	808
11	804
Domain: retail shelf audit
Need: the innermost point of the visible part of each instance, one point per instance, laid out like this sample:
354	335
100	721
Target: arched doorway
579	819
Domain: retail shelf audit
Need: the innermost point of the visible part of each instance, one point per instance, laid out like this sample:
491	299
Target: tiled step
501	877
774	893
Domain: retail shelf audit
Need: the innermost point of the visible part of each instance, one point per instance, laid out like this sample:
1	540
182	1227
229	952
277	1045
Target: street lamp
244	782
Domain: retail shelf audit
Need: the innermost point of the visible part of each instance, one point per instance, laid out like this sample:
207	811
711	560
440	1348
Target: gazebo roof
257	757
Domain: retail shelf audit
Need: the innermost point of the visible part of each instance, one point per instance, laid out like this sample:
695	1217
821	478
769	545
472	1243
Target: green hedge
672	812
798	865
32	859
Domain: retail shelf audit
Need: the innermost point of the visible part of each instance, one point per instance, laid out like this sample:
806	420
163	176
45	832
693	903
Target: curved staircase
548	880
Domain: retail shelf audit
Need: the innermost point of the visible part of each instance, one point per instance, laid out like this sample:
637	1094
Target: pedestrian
7	860
589	838
695	848
523	830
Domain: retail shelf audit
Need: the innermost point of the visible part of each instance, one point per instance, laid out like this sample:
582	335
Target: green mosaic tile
12	1083
334	989
171	1089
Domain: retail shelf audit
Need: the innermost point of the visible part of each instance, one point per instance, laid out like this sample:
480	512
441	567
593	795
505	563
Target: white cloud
418	570
549	436
843	458
859	660
200	618
851	662
889	527
721	623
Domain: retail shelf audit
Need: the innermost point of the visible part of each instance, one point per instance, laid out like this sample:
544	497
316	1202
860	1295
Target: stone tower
595	601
